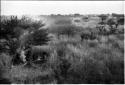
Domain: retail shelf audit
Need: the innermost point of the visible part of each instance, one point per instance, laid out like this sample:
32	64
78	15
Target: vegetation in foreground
74	50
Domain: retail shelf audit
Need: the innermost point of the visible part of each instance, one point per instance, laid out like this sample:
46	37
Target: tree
8	32
68	30
28	23
120	21
39	37
103	17
112	22
7	27
18	34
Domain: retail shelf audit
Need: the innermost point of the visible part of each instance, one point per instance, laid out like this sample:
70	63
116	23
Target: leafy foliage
7	27
13	29
39	37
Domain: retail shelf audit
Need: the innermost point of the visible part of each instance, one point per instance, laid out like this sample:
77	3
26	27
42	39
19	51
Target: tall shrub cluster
17	34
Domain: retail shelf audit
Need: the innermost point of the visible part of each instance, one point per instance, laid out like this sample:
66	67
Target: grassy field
72	60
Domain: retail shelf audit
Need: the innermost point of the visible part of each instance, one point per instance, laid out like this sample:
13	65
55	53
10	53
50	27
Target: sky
60	7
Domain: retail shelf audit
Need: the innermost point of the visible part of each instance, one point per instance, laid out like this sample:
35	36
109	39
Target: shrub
77	21
88	35
20	33
39	37
27	23
63	21
68	30
112	22
7	27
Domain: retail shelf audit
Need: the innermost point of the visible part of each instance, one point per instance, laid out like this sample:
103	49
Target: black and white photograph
62	42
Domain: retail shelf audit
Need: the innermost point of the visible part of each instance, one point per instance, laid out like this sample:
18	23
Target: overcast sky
60	7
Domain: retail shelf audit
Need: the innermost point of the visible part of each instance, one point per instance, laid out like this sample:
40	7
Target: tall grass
5	65
88	63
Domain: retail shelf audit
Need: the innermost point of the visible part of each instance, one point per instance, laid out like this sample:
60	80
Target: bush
7	27
39	37
27	23
77	21
62	21
68	30
21	33
88	35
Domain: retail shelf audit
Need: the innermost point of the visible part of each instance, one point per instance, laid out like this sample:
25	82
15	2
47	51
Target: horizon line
60	14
